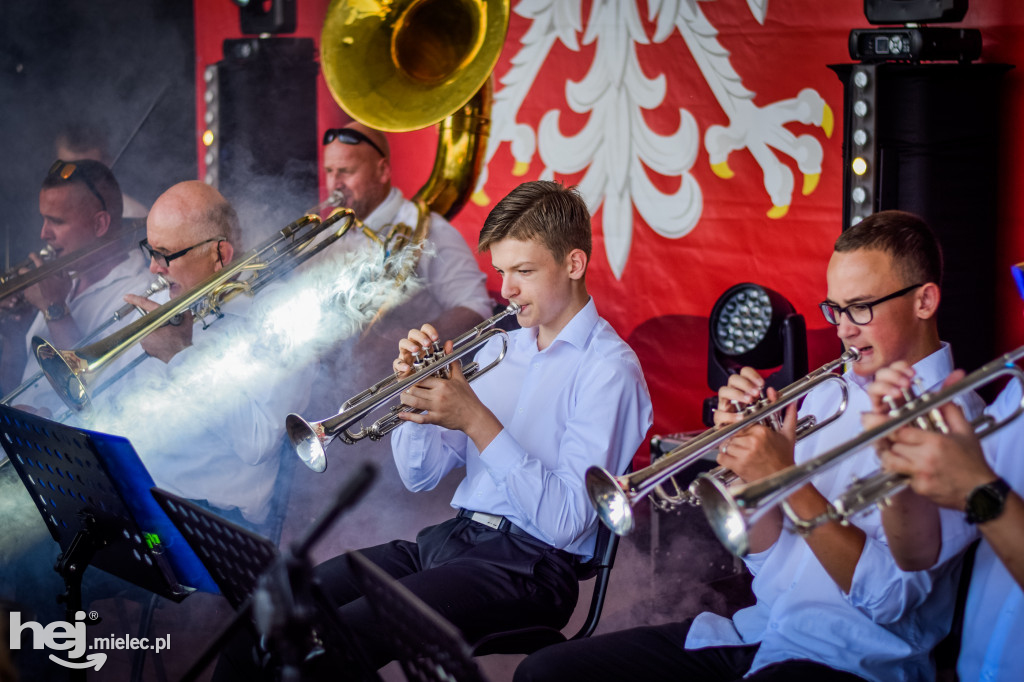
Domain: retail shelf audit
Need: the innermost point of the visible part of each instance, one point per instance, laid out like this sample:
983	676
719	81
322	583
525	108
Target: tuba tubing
614	496
733	511
311	439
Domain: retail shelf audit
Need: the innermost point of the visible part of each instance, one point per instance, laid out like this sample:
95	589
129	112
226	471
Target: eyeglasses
163	260
65	171
859	313
349	136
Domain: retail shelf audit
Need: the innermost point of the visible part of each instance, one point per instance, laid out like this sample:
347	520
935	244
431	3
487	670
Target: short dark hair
913	247
549	212
93	176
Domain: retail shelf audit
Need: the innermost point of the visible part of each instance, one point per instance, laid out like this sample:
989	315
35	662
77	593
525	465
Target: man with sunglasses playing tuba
831	604
357	171
80	202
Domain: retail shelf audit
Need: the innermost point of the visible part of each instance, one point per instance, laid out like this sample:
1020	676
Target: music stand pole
285	602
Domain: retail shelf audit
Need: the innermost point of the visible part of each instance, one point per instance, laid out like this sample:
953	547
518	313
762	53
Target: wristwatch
56	312
986	502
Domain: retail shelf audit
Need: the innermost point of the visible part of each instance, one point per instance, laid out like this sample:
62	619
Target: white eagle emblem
615	145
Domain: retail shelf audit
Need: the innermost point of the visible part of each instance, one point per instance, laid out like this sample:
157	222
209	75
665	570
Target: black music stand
91	490
430	649
234	556
276	593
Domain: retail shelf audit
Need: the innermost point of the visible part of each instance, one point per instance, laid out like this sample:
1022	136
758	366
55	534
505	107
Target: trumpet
72	372
614	496
732	512
157	285
310	439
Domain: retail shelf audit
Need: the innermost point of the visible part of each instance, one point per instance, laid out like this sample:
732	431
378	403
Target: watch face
986	502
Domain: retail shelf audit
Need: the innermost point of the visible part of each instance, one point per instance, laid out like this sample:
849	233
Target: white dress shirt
90	309
580	402
886	626
449	271
994	615
209	425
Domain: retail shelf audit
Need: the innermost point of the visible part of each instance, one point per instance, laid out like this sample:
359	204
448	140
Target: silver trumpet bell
310	439
614	496
732	511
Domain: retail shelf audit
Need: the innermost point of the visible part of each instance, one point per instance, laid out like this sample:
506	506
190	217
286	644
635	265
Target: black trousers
482	580
656	653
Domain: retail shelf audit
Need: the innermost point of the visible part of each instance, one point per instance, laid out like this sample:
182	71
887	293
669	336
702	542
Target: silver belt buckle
489	520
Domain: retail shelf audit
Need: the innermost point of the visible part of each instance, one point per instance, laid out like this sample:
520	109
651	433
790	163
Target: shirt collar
578	329
938	364
385	213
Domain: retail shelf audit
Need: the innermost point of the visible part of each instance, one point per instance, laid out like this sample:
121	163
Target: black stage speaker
914	11
926	137
261	110
258	16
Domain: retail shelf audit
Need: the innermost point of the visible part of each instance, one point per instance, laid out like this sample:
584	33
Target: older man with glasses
225	451
80	202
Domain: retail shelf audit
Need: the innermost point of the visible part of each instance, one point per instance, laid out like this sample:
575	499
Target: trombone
732	512
14	282
615	496
310	439
15	271
72	372
157	285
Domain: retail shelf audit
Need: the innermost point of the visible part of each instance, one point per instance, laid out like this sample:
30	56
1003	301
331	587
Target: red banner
707	139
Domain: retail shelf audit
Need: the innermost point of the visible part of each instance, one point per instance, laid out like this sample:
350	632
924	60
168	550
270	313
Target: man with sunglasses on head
831	603
80	202
357	165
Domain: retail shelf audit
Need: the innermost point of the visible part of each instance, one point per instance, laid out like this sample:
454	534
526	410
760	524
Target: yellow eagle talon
828	121
811	183
776	212
722	170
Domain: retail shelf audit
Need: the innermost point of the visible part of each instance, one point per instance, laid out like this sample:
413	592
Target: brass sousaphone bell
401	65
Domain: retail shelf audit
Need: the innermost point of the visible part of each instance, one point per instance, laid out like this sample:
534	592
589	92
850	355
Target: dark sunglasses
164	259
65	171
349	136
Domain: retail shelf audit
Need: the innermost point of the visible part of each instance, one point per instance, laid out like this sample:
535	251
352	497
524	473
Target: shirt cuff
501	456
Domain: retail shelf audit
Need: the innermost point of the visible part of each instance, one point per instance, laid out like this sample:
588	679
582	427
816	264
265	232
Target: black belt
494	521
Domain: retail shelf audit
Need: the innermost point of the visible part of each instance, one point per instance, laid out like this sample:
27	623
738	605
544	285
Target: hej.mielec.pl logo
59	636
